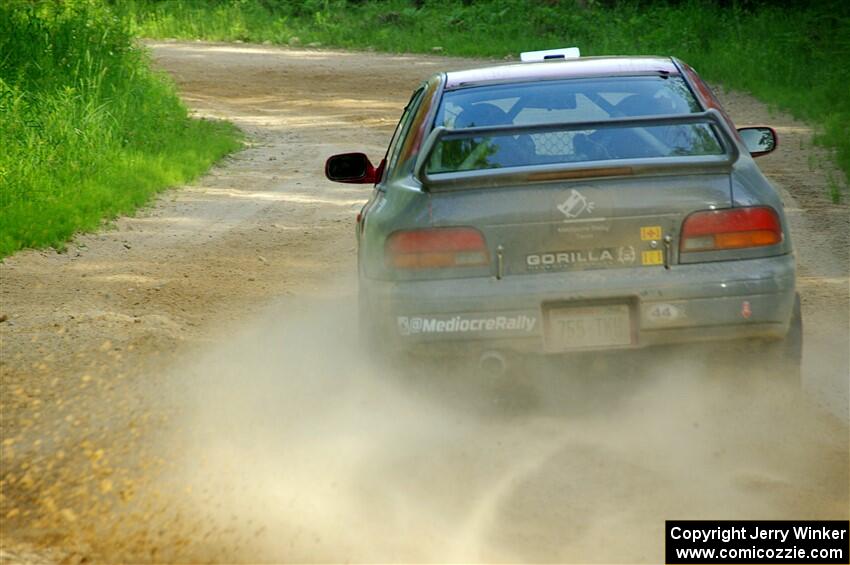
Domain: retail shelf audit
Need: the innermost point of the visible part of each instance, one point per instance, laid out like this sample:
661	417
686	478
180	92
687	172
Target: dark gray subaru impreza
572	204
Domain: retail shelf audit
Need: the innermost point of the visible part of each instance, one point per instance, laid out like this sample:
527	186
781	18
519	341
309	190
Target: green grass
87	130
796	58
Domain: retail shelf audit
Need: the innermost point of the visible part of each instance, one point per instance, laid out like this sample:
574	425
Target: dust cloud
287	444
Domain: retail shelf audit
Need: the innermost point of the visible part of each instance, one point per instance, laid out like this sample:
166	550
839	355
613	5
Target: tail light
735	228
436	248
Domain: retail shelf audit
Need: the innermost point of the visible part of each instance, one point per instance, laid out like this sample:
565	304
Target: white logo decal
545	260
462	324
626	254
575	205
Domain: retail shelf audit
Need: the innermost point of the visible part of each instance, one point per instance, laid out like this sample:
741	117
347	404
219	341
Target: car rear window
564	102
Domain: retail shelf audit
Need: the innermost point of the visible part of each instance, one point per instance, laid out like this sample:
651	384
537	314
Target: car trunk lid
576	226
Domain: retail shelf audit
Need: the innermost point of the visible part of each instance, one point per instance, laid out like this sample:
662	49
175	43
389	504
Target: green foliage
88	130
791	54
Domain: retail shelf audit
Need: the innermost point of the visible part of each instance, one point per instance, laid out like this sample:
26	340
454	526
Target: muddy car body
574	205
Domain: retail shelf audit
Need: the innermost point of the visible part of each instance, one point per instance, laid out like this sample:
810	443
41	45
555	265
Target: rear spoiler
483	178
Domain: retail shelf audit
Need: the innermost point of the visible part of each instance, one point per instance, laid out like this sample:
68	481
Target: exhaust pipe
493	363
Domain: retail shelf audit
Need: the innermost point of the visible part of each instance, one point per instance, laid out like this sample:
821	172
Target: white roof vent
550	55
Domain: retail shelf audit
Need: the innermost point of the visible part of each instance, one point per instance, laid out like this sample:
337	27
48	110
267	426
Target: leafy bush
88	130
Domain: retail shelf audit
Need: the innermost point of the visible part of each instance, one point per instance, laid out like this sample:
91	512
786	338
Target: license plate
583	327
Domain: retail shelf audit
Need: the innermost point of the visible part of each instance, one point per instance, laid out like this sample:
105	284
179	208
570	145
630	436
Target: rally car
570	204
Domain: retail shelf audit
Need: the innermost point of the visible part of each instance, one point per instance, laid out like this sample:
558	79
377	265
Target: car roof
570	68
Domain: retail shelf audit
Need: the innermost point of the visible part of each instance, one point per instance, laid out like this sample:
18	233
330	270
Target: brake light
735	228
436	248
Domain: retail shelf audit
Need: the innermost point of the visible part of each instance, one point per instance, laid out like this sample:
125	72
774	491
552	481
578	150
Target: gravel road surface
185	384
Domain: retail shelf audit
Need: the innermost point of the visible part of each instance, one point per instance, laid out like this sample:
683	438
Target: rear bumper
687	303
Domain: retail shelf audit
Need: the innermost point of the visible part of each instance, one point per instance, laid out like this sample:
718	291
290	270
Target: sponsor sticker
585	230
648	233
653	257
562	259
512	323
626	254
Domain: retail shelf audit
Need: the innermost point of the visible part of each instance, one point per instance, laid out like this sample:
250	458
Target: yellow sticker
654	257
650	232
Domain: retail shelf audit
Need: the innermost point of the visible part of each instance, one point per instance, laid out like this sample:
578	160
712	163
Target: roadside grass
87	130
793	57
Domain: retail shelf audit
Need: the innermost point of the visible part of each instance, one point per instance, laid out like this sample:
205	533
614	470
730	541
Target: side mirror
352	168
758	140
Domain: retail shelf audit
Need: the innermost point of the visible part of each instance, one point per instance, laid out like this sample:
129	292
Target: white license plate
583	327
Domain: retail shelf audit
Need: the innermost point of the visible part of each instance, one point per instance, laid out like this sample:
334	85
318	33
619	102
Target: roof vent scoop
550	55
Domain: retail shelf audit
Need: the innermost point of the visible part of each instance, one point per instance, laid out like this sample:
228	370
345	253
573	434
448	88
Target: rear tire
368	337
782	359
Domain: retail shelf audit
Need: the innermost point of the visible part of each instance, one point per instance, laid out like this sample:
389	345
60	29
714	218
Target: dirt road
186	384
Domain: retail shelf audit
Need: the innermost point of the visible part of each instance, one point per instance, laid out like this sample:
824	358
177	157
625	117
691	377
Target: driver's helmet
481	114
510	150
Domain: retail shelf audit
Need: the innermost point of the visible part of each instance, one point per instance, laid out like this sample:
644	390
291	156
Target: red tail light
436	248
735	228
